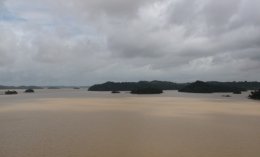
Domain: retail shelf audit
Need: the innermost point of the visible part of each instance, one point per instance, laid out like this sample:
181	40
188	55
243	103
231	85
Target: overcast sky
81	42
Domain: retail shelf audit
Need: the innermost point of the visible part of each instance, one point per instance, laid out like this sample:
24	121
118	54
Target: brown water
77	123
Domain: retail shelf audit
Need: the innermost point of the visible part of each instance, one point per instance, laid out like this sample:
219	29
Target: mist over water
69	123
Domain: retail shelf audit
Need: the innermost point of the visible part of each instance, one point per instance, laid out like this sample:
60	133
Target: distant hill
211	87
242	84
53	87
41	87
20	87
129	86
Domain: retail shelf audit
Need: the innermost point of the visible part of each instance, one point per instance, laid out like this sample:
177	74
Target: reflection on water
78	123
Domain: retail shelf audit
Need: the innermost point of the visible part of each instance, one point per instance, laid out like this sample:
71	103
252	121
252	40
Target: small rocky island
29	91
237	92
11	92
115	92
210	87
227	96
147	90
255	95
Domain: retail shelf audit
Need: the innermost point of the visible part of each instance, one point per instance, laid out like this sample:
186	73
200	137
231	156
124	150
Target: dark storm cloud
129	40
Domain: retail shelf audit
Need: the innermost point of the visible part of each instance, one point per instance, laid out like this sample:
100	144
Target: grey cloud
181	12
2	5
131	43
96	41
107	8
7	48
219	13
2	9
112	7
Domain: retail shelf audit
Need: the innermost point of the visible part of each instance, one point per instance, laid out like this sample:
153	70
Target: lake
79	123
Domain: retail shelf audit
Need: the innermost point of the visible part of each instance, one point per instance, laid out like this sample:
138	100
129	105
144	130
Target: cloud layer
81	42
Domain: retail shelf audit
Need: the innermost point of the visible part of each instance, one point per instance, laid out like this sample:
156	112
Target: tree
255	95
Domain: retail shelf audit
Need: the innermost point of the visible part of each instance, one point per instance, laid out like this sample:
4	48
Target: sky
83	42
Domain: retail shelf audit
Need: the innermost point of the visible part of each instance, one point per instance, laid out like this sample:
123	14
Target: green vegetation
255	95
147	90
29	91
207	87
53	87
129	86
11	92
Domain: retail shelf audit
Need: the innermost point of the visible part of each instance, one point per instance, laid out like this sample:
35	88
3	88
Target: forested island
129	86
212	87
29	91
147	90
152	87
195	87
11	92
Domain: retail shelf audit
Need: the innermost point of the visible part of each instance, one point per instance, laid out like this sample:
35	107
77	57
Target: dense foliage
242	84
129	86
207	87
255	95
29	91
235	87
10	92
147	90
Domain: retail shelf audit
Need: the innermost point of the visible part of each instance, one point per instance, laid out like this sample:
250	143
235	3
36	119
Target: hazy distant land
156	87
166	85
146	87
